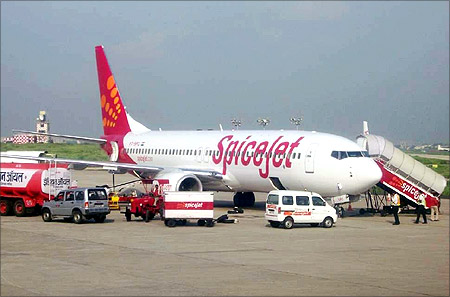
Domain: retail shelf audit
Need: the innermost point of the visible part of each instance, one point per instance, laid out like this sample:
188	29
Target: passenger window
302	200
79	196
60	197
272	199
288	200
69	196
317	201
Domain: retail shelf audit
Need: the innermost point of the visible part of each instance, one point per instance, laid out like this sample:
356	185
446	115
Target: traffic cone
349	207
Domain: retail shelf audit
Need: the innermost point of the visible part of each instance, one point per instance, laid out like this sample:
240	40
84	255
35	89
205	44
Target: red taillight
279	210
86	204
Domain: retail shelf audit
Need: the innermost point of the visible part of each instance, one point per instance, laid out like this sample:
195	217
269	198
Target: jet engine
180	181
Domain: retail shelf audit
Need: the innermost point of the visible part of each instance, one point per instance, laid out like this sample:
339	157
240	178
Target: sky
195	65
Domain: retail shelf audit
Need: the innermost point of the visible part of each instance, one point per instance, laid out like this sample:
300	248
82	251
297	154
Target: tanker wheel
19	208
201	222
5	207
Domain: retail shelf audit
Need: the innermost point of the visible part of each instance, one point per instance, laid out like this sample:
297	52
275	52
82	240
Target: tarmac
360	256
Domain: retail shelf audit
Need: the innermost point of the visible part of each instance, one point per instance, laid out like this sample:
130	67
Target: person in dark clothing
421	209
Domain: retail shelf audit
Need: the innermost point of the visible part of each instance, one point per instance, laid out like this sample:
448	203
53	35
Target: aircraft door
115	152
309	158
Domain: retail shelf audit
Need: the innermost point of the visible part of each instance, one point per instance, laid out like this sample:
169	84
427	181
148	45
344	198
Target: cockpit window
354	154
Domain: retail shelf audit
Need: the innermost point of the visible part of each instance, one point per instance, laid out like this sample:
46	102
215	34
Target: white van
289	207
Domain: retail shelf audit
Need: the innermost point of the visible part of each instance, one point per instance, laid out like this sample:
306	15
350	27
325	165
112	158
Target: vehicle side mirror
56	199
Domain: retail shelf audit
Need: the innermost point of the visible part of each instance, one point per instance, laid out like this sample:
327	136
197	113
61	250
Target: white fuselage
250	160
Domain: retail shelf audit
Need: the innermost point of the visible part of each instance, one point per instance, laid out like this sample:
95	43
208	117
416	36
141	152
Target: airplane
236	161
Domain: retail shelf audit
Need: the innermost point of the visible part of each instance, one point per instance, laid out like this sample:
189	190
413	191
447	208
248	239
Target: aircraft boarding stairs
401	174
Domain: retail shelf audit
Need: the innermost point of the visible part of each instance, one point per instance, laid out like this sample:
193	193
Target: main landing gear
244	199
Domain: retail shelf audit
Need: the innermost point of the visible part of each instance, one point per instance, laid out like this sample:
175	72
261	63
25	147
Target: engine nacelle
180	181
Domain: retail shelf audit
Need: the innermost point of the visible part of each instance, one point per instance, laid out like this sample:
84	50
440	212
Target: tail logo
111	105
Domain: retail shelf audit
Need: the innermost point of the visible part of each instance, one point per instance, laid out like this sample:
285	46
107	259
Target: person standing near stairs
395	203
421	208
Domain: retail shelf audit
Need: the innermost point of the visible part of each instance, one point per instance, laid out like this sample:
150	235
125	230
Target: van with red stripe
287	208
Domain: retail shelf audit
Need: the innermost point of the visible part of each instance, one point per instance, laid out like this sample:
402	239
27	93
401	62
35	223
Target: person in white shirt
395	203
421	204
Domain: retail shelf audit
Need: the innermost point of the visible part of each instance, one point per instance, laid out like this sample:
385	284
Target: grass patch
91	152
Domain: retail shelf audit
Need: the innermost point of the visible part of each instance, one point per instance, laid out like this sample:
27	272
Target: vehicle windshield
97	194
272	199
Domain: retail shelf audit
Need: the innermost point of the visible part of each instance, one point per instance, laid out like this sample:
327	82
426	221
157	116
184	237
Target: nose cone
369	174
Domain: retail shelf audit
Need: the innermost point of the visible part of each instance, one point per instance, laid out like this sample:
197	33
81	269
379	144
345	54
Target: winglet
114	118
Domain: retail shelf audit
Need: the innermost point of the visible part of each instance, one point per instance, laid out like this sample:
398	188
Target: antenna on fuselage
220	127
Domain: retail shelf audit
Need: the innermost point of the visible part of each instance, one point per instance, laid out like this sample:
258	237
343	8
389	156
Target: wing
202	174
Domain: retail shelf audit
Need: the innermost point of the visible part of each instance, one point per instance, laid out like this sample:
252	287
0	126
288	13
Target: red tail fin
114	118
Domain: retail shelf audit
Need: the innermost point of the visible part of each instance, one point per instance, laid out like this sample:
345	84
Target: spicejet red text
235	151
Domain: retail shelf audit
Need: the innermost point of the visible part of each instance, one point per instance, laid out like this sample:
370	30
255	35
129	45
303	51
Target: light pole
296	121
263	122
236	123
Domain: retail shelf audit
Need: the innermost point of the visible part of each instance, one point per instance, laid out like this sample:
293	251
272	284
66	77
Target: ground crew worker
421	204
395	203
432	204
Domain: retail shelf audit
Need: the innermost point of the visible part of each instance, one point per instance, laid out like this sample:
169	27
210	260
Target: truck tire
100	218
46	215
274	224
327	222
19	208
5	207
171	223
77	217
201	222
128	214
149	216
209	223
288	223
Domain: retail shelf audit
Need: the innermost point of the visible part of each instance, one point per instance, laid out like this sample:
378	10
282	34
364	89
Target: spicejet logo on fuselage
263	152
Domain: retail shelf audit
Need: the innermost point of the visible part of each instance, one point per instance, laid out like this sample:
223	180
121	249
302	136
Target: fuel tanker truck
25	186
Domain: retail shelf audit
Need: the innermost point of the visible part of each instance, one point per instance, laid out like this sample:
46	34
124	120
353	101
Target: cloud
146	47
